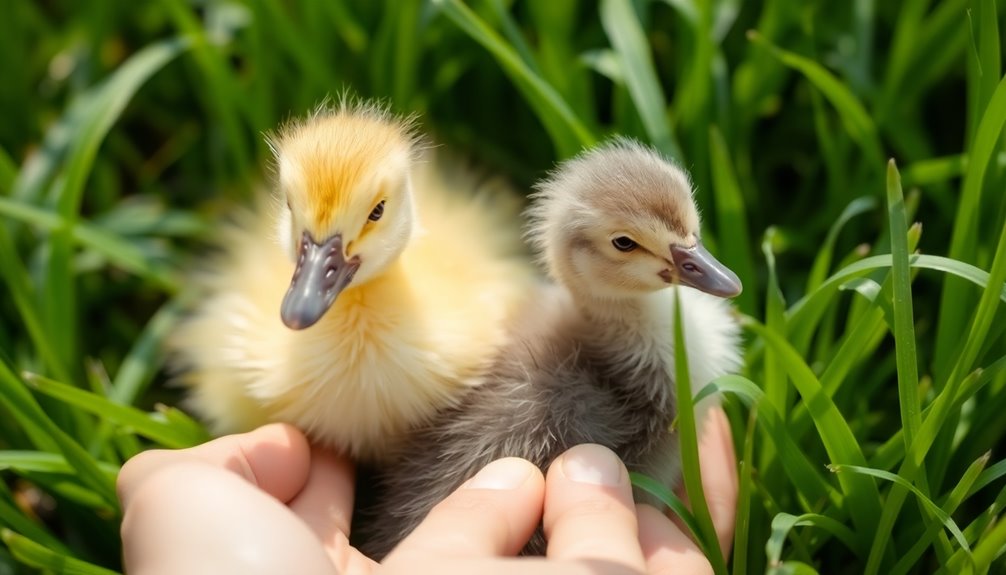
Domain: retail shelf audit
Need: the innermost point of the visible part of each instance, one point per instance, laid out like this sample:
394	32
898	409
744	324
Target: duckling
591	358
366	297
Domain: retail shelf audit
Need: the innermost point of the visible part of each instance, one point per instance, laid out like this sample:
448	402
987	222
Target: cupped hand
265	502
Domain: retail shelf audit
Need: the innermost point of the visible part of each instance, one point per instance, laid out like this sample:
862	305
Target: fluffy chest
634	347
635	355
645	335
372	368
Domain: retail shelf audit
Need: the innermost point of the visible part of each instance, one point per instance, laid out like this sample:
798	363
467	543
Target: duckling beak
322	273
697	268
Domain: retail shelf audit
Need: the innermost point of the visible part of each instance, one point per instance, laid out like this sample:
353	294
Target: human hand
264	502
258	502
590	521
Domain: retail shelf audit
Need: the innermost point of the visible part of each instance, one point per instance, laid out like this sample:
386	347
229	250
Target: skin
266	502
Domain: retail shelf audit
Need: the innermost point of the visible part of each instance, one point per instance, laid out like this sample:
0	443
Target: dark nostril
691	268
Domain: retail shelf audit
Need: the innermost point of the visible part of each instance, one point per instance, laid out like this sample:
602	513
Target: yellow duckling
367	298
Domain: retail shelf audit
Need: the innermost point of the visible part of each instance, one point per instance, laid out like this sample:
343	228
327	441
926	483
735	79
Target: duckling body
415	324
590	360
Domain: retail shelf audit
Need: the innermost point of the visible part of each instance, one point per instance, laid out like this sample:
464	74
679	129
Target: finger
492	514
589	512
325	505
718	464
665	547
193	517
508	566
274	457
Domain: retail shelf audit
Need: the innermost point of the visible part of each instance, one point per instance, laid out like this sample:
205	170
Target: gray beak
322	273
696	267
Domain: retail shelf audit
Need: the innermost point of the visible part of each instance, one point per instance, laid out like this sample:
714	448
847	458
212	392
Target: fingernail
509	473
592	464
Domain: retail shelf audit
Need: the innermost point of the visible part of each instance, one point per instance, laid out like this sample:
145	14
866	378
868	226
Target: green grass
868	419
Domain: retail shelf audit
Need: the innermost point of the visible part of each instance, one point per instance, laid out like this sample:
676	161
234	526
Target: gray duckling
591	358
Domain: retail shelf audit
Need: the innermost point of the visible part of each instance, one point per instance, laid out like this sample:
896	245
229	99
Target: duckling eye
377	212
623	244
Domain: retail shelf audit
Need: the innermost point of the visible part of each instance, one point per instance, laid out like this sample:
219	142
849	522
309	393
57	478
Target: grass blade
855	119
938	412
668	498
223	95
43	462
792	568
119	251
904	324
558	30
140	365
963	241
70	488
31	415
987	66
689	446
8	171
783	523
745	494
40	557
810	483
990	548
822	262
936	170
957	496
628	40
984	317
95	112
945	519
989	302
834	430
10	516
776	388
511	31
568	132
19	285
988	476
802	311
907	25
731	220
138	421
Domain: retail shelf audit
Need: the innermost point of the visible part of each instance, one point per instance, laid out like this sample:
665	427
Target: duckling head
619	221
343	174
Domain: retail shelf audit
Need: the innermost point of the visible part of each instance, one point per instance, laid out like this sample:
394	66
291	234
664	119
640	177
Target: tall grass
869	417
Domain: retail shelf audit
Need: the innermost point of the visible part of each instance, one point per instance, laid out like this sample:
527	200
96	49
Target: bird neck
625	322
610	310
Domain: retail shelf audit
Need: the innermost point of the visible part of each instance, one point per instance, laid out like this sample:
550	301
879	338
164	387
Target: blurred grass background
869	419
